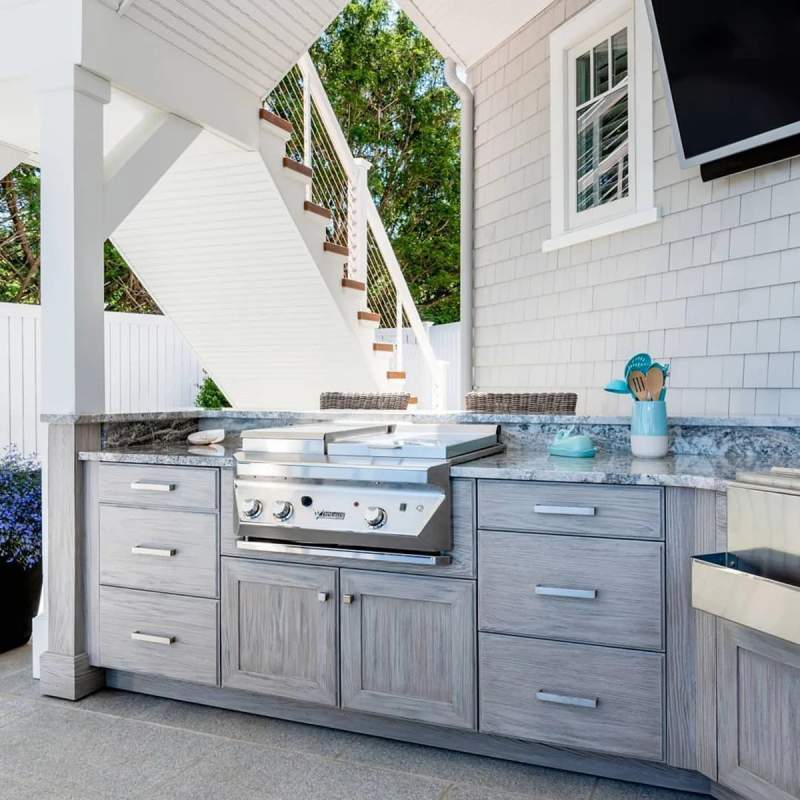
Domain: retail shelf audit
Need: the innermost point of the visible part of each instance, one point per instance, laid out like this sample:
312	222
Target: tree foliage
20	258
386	84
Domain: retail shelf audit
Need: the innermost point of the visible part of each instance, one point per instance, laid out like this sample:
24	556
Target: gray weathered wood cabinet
408	647
279	630
758	689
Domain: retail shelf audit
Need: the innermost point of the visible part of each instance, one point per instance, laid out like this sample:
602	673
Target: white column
73	380
72	243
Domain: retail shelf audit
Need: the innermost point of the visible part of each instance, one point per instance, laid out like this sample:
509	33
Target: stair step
369	316
383	347
339	249
348	283
277	121
315	209
395	376
296	166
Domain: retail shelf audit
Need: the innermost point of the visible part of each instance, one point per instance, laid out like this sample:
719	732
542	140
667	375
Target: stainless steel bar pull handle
348	599
559	591
152	486
566	511
567	700
161	552
138	636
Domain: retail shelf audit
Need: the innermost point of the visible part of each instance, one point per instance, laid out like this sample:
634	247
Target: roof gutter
467	220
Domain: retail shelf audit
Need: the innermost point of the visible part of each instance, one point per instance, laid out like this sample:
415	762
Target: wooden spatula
637	383
655	382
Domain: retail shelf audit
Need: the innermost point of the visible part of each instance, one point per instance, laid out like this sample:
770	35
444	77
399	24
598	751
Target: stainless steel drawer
631	512
575	695
159	634
577	588
154	485
159	550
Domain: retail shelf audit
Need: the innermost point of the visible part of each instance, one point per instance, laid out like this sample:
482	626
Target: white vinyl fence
445	343
149	367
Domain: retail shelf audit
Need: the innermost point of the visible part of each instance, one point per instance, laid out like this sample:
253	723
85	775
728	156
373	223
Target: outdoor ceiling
468	30
252	42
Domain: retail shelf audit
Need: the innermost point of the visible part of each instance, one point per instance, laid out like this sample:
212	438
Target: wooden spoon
637	383
655	382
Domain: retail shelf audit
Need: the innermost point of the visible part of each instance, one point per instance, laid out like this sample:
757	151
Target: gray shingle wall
714	286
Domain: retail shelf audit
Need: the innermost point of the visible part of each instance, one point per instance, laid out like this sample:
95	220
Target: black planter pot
20	590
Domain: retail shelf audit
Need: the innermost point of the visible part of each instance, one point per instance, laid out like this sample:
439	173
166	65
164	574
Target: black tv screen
733	72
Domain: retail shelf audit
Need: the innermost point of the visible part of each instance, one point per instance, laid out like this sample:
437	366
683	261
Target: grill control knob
252	508
375	517
282	510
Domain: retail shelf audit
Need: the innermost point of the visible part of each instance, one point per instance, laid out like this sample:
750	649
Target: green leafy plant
209	395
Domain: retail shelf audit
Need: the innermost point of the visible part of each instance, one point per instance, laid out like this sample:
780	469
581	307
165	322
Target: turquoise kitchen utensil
572	445
617	386
640	361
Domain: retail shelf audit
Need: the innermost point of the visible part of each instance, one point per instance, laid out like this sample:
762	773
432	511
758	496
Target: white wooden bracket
10	158
136	164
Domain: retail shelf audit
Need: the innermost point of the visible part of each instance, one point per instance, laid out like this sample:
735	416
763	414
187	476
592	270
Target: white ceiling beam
10	158
152	69
137	163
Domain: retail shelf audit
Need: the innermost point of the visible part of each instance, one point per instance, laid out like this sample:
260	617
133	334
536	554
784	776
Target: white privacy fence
444	340
149	367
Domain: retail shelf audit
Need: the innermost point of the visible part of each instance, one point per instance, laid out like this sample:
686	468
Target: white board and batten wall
149	367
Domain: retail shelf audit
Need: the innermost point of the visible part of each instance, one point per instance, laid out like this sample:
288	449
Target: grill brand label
329	515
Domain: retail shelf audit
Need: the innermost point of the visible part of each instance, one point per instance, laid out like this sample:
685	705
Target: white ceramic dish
207	437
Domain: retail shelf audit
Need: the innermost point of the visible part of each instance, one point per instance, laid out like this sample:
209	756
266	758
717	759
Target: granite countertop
613	466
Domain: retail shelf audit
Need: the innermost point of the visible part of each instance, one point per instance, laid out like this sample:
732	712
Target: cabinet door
759	710
279	629
408	647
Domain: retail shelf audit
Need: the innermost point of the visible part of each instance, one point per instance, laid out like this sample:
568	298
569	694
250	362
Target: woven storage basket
522	403
371	402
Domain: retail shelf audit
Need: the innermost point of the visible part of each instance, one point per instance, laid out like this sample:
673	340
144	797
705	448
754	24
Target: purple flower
20	509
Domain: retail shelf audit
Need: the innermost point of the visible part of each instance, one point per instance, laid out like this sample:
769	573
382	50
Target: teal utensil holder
649	430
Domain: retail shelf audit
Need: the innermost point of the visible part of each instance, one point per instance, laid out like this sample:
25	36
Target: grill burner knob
282	510
252	508
375	517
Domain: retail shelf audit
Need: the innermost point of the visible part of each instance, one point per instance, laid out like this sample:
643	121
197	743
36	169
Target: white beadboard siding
149	367
253	42
714	286
216	247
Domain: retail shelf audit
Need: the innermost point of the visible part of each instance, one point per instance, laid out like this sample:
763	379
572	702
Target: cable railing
340	185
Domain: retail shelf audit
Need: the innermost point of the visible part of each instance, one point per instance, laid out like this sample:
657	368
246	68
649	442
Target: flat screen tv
733	77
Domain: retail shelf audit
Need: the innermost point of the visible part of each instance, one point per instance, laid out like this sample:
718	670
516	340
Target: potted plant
20	547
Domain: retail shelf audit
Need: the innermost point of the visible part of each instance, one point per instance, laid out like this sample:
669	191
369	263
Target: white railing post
357	226
399	336
308	154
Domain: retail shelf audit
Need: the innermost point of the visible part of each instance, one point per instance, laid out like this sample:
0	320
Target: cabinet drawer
575	695
571	587
153	485
631	512
159	634
168	551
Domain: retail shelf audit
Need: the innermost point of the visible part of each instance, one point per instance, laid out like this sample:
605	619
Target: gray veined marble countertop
617	467
526	464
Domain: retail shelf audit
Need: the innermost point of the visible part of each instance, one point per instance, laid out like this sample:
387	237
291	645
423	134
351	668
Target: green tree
386	84
20	256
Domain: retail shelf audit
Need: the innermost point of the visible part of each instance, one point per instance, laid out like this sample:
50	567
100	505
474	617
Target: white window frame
601	18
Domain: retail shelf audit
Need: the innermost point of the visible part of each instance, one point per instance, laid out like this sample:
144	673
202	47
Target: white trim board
577	29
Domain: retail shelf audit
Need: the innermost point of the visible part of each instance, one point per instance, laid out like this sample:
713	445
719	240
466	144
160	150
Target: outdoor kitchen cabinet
408	647
279	630
758	688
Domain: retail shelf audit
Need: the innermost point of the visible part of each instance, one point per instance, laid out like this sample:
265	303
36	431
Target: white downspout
467	219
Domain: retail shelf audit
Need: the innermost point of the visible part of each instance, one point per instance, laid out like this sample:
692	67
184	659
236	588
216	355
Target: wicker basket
371	402
522	403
